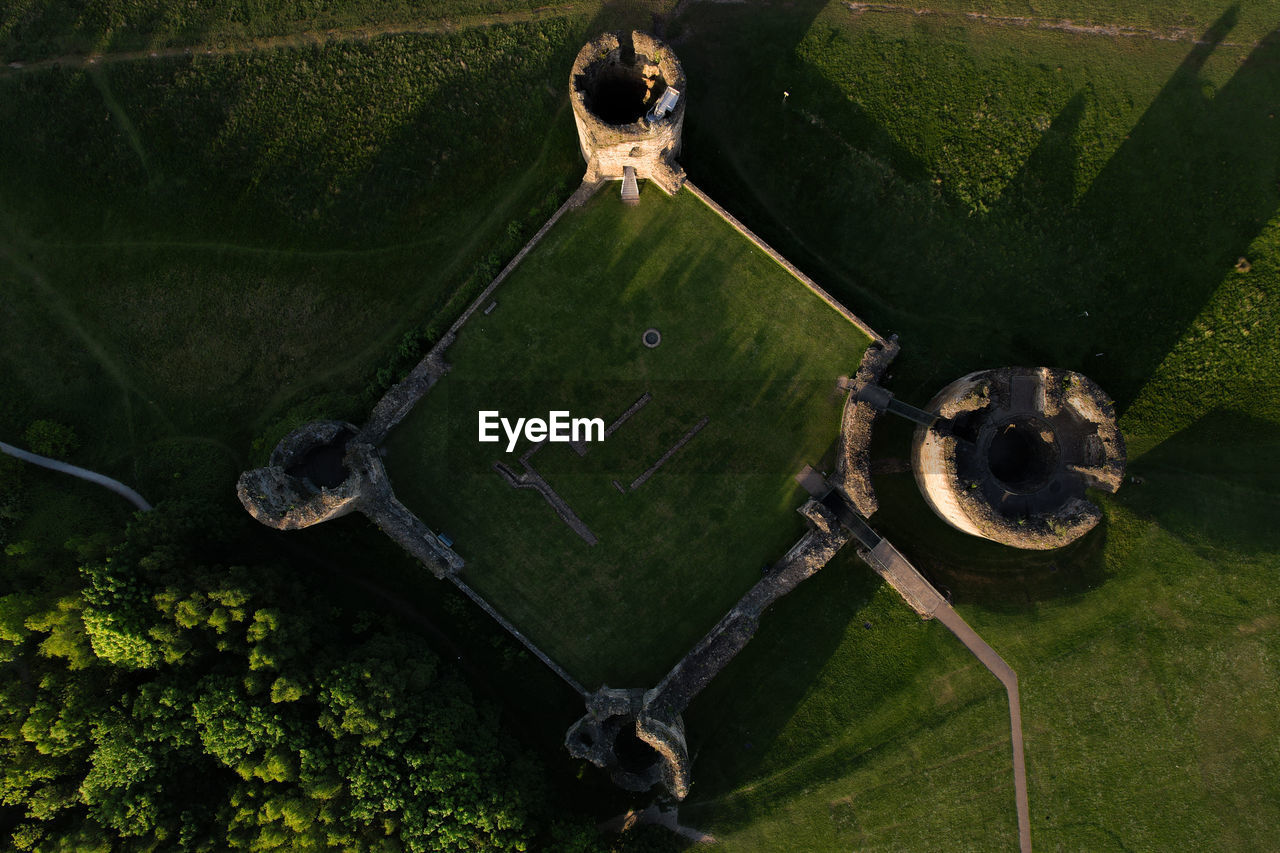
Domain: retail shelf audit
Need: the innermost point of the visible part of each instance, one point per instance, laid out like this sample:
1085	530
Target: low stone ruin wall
853	459
288	502
656	714
405	394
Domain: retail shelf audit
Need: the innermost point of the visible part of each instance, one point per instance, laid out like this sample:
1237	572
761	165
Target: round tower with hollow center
1014	451
628	96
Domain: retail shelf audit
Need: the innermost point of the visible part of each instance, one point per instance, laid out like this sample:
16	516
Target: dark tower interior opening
616	89
323	465
618	93
1021	457
634	755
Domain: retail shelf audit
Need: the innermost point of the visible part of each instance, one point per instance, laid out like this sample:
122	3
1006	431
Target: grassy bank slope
192	248
1002	195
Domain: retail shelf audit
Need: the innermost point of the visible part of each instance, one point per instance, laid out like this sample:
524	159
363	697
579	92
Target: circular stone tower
307	480
1013	451
628	96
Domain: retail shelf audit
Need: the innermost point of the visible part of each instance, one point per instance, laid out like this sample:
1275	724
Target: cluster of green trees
161	697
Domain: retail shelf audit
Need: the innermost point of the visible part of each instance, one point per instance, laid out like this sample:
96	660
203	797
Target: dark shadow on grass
1177	204
1183	197
1104	286
1045	181
750	702
1213	484
741	770
755	111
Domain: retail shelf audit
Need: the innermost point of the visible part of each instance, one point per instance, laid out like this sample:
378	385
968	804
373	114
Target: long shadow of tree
1174	207
1213	484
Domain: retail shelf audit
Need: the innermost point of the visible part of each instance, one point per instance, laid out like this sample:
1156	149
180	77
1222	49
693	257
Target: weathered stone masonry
653	716
616	80
1014	453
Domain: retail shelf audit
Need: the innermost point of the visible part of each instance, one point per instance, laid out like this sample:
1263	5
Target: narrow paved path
76	471
923	598
1009	679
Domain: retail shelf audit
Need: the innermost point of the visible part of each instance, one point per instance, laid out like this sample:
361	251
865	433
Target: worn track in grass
306	38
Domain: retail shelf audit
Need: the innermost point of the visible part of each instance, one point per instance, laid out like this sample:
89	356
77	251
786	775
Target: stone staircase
630	189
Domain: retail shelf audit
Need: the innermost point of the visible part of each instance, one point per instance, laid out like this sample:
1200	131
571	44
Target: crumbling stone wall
654	716
289	501
853	458
405	394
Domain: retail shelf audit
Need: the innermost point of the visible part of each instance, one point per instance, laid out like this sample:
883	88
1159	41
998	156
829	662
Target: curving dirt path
306	38
1179	34
76	471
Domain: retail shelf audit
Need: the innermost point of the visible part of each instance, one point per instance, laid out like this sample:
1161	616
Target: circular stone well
1013	452
651	338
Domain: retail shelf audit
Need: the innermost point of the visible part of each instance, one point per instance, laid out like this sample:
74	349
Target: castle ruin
628	96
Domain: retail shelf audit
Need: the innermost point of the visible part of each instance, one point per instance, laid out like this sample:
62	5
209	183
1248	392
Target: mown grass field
978	188
744	344
975	186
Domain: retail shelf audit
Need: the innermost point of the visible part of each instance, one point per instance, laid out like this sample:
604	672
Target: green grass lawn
194	250
744	344
848	723
35	30
978	189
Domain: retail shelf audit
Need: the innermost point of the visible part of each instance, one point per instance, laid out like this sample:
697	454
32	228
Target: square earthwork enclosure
693	492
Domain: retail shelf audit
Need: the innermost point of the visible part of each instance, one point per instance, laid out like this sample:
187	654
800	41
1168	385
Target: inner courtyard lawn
744	345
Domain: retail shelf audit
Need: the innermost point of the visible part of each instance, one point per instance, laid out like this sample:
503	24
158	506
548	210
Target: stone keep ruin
1014	450
1003	454
627	92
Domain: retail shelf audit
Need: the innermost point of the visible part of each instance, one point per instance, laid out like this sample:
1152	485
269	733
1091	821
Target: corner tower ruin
627	91
1013	451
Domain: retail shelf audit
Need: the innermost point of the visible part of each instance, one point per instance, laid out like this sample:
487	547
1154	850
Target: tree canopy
166	698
